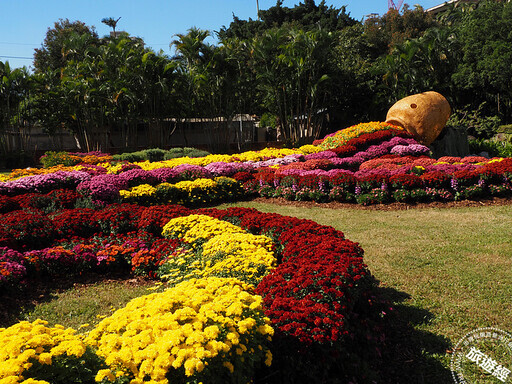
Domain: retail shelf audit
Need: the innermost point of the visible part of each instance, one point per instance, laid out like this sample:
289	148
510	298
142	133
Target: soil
493	201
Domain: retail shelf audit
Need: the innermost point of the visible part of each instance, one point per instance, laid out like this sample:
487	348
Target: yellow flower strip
241	157
138	191
243	255
197	229
197	184
219	248
23	342
198	325
198	190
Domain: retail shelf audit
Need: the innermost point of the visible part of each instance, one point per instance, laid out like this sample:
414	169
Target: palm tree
111	22
294	71
14	90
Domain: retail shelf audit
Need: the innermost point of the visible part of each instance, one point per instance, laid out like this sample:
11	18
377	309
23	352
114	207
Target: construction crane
392	5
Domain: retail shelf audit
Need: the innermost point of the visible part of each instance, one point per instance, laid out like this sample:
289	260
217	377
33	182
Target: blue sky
23	23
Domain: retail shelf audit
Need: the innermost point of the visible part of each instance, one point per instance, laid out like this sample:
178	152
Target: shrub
174	153
494	148
104	188
154	154
436	179
405	181
152	219
135	177
375	196
12	267
130	157
194	152
52	159
74	222
146	261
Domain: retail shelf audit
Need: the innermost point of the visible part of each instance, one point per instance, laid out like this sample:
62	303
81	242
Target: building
443	7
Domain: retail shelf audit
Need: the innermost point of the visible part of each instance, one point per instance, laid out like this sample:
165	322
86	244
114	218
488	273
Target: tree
394	28
355	99
111	22
295	72
51	55
14	90
306	15
484	72
210	82
422	64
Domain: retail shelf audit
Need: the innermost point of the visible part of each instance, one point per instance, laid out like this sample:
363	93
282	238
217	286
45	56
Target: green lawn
447	271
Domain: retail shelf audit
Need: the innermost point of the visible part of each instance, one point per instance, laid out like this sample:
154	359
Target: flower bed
202	330
371	152
386	180
243	271
323	308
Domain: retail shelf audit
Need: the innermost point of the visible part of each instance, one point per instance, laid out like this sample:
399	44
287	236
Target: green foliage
168	193
296	73
50	56
305	15
174	153
157	154
303	65
394	27
268	120
194	152
493	147
485	70
154	154
505	129
475	122
422	64
52	158
129	156
15	86
375	196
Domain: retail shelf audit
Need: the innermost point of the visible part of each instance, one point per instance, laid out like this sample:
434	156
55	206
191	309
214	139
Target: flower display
197	229
43	183
202	329
103	187
234	276
8	204
411	149
152	219
136	177
341	137
28	228
12	266
248	246
218	248
47	354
